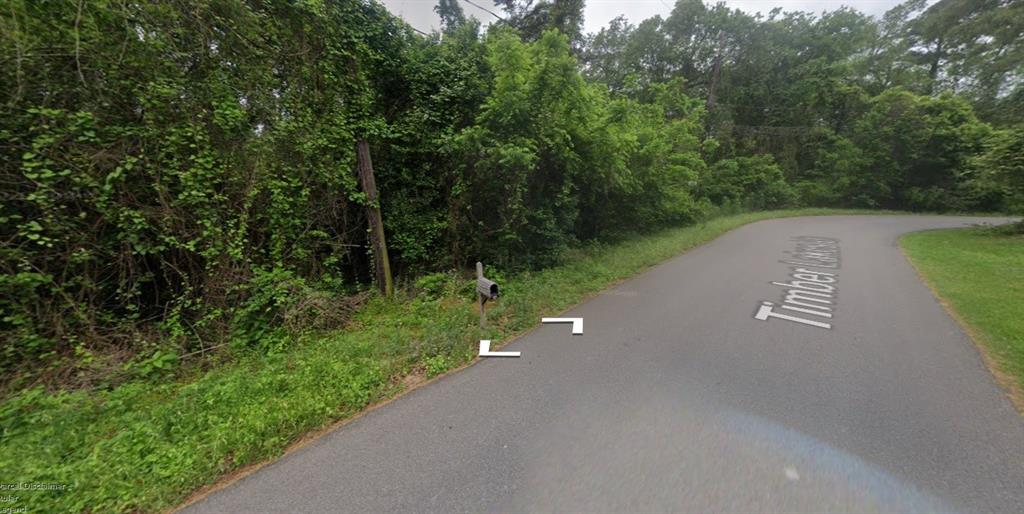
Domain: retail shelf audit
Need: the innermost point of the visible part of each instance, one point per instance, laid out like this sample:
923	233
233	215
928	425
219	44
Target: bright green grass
146	446
980	274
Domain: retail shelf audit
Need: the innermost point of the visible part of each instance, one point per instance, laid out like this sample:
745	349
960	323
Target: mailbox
488	289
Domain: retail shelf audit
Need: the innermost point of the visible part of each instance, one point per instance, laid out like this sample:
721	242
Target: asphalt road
676	398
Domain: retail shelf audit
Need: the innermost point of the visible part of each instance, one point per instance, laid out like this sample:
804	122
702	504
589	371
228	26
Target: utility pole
382	267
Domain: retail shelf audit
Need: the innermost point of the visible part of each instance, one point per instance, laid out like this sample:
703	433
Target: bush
996	176
931	199
147	179
916	148
754	182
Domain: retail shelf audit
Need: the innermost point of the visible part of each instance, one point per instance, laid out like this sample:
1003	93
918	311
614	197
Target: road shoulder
976	274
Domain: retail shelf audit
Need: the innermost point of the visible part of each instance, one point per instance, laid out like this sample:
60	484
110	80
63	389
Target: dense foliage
180	174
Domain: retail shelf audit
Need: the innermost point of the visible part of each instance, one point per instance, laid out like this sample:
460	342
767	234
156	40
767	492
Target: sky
420	13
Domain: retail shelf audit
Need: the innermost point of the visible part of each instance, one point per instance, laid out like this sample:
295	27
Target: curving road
676	398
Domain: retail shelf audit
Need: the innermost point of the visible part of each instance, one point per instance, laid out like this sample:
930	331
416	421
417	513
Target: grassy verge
146	446
979	273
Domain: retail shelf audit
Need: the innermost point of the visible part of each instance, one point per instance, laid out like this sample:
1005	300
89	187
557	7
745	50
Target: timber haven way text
809	292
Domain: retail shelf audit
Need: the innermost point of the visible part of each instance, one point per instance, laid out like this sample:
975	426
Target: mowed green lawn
979	272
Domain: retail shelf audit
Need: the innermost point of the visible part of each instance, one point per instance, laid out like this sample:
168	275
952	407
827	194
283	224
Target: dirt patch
416	377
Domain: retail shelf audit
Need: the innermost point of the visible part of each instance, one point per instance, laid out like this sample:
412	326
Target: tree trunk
382	267
716	72
933	68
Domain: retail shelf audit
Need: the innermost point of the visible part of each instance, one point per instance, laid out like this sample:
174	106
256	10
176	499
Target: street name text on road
810	295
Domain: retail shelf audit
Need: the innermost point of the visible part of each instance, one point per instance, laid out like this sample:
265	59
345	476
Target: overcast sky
420	13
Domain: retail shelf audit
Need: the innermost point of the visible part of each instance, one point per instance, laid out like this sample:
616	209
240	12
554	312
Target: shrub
754	182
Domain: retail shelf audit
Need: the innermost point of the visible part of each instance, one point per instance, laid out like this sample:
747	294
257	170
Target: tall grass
147	445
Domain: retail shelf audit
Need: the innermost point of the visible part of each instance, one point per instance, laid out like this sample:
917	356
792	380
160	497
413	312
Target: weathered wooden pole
382	267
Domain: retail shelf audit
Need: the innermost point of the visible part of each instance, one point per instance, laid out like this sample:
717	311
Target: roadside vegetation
979	274
179	178
146	445
187	278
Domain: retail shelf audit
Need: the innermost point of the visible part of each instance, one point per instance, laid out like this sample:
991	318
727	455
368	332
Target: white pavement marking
809	291
485	350
577	323
791	473
765	311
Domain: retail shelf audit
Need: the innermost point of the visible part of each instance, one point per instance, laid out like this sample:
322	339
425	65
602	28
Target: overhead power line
482	8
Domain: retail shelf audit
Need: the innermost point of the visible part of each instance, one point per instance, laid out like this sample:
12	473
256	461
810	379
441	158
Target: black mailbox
488	289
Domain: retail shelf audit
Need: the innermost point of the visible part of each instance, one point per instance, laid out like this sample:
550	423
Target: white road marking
485	350
808	291
792	474
577	323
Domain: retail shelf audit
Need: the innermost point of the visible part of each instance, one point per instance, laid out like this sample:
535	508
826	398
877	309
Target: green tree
533	18
178	156
888	61
916	147
751	182
994	179
646	163
631	60
520	158
451	14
